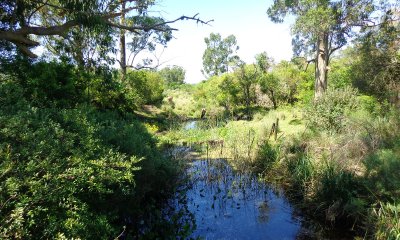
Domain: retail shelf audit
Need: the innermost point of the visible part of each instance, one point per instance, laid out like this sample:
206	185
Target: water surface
231	205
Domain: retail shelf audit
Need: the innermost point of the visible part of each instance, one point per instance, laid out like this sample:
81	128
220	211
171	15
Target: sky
247	20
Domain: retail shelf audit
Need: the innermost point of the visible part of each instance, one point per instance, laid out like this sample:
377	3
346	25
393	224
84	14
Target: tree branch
334	49
183	17
306	61
20	37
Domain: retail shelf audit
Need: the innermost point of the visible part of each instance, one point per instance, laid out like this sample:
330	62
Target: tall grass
346	174
349	176
388	221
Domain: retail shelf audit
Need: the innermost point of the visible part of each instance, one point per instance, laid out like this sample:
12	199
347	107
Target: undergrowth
74	173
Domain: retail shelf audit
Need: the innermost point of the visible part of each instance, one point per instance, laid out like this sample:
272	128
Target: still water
232	205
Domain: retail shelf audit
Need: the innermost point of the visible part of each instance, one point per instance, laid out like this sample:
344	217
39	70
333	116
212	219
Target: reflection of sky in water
230	205
190	125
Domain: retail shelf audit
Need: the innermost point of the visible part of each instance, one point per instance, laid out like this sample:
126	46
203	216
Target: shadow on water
232	205
216	202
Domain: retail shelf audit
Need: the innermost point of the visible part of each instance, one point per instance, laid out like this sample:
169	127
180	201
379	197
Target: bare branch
21	39
334	49
308	61
183	17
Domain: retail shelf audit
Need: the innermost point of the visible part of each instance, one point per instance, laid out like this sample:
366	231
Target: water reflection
190	125
231	205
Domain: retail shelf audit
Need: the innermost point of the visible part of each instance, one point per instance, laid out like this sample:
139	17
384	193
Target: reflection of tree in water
226	190
263	210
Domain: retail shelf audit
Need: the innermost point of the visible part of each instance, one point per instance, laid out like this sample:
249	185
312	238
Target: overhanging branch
21	37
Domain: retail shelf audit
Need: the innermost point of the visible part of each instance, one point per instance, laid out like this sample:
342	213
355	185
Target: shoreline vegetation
91	130
345	175
336	159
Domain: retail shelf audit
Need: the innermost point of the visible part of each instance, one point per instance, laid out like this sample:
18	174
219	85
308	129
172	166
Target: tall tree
321	27
219	54
173	76
23	22
122	42
247	78
268	81
376	59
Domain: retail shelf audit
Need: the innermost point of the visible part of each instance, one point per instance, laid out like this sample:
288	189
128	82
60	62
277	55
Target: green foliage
305	91
369	103
302	172
376	67
72	173
315	17
267	156
230	92
49	83
388	221
382	173
86	33
340	75
328	112
104	92
219	54
144	87
336	185
173	76
246	77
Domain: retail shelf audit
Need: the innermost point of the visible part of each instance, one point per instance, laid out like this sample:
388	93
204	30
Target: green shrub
48	84
382	172
328	112
72	173
144	87
368	103
336	184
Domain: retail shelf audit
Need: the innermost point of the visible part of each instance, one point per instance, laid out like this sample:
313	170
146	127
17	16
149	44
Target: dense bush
328	112
144	87
71	173
49	83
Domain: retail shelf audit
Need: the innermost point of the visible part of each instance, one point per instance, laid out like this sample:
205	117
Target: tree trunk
122	43
322	61
273	98
247	96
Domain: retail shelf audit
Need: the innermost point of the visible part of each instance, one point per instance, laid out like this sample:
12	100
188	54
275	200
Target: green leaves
173	76
328	113
219	54
70	173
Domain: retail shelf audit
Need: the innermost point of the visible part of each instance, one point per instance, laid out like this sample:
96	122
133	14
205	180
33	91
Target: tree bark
122	45
273	98
322	61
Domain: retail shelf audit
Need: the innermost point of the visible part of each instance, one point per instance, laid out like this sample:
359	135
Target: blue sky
247	20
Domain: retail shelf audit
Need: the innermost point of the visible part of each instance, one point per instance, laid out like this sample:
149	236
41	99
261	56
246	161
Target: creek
228	204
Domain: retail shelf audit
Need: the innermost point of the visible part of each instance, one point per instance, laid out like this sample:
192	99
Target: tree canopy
219	54
321	27
173	75
23	22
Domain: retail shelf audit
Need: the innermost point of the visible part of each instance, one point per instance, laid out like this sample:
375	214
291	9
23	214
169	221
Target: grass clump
347	173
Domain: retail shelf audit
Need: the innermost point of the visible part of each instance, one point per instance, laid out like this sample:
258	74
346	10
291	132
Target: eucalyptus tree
321	27
376	59
219	54
269	83
173	76
246	76
23	23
